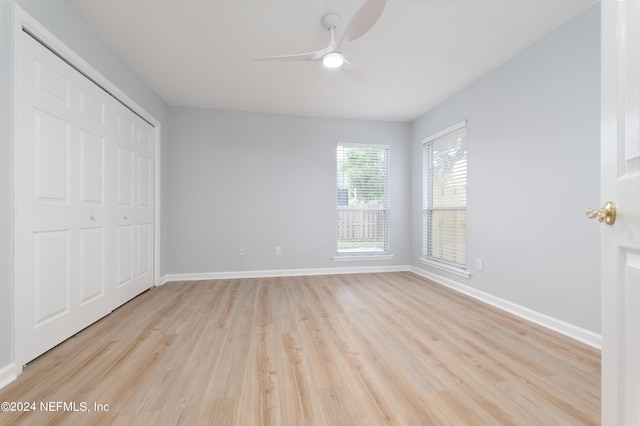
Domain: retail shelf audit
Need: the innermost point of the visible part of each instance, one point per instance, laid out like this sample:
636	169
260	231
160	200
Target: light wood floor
363	349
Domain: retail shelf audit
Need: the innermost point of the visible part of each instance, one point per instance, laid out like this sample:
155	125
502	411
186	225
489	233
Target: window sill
446	268
359	257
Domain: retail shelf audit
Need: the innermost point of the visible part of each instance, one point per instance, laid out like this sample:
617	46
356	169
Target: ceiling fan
331	56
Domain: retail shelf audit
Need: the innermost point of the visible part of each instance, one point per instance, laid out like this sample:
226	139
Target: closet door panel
144	182
47	231
123	209
91	297
124	258
144	254
51	145
135	230
92	172
52	282
92	265
144	202
124	172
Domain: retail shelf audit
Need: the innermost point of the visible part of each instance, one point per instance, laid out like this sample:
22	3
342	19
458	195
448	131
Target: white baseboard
577	333
283	273
163	280
8	374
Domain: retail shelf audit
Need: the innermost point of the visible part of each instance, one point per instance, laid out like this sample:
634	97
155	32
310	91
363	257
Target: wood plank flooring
362	349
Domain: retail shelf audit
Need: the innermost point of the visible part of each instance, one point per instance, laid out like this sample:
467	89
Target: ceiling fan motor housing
331	20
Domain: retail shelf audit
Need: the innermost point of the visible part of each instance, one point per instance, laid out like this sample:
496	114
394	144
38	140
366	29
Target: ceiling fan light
333	60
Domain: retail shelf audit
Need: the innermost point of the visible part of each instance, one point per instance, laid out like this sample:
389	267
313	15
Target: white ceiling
199	52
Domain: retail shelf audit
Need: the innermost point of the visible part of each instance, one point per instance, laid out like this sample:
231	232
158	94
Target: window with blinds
362	199
444	197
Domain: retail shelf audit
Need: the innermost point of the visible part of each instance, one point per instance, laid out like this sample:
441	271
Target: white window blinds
362	199
444	196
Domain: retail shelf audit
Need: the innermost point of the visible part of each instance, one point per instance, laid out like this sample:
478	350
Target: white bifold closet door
131	209
85	194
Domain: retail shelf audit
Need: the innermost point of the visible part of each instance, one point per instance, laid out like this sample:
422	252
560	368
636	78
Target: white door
63	241
95	192
133	210
85	201
620	174
144	202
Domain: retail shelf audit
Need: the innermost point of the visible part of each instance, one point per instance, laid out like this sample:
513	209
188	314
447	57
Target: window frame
385	253
428	207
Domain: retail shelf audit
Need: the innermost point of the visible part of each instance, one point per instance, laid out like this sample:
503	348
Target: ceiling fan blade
310	56
363	20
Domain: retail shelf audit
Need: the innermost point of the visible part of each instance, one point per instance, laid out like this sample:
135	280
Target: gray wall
255	181
533	164
67	25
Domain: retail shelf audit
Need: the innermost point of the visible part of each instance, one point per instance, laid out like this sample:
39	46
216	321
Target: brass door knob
606	214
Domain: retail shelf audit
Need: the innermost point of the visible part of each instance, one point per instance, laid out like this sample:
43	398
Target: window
362	199
444	197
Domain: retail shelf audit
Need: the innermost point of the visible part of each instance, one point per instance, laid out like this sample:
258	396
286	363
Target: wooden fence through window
361	223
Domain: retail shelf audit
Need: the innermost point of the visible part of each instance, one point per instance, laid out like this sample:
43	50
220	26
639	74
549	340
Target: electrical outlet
241	252
278	251
479	264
